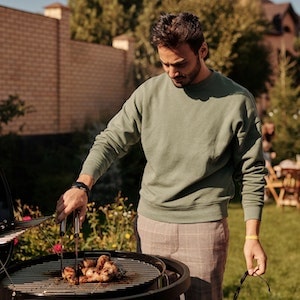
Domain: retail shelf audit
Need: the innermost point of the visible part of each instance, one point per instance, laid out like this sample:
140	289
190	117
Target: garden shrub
109	227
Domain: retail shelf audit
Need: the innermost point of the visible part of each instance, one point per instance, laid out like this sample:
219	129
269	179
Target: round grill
144	277
43	279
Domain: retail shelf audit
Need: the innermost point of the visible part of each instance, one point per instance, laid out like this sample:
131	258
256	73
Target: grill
145	276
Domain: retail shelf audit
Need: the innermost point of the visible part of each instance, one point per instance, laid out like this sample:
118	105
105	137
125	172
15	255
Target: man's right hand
74	199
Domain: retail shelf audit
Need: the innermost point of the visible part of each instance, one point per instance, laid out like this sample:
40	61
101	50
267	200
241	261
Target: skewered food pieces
102	269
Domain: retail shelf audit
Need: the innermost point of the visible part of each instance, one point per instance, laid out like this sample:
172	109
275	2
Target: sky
37	6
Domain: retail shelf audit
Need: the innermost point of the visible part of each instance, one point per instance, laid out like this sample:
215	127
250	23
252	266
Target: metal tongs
63	225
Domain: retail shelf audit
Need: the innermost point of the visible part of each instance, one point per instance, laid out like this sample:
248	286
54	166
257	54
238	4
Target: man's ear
203	51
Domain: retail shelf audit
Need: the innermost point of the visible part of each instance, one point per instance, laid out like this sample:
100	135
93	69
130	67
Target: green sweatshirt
196	140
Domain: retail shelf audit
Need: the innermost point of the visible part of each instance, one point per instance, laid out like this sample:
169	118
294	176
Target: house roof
281	9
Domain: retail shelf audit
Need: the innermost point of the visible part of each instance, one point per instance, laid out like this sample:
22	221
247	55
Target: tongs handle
76	236
62	232
76	224
63	226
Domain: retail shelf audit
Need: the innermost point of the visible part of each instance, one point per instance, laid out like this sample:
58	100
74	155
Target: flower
57	248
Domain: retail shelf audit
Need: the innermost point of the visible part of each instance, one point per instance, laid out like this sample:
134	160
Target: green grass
280	237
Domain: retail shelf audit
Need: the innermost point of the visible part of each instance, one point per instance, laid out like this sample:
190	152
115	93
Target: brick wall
67	82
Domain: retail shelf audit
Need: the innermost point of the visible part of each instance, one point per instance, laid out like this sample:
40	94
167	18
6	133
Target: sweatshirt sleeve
114	142
249	161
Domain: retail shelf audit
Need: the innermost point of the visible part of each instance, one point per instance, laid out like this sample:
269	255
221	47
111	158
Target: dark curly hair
172	30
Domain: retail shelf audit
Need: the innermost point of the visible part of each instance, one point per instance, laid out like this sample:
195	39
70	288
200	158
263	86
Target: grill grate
43	279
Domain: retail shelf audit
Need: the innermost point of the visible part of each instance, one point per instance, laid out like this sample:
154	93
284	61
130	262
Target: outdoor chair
290	190
274	184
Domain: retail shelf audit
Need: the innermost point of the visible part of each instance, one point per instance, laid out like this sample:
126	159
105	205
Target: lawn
280	237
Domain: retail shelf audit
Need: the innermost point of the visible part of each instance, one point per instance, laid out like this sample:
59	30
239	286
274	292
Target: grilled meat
102	269
69	274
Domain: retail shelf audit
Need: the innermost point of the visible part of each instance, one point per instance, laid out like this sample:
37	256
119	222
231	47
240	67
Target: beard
184	80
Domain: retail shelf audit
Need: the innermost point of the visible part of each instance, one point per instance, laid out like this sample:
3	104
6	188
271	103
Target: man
199	130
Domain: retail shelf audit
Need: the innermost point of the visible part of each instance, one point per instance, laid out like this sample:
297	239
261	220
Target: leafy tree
146	56
132	9
98	21
297	44
251	58
11	108
284	111
297	68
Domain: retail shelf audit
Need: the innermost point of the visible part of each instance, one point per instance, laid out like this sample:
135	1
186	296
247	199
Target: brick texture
68	83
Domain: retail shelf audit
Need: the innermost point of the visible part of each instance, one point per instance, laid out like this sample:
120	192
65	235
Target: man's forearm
252	228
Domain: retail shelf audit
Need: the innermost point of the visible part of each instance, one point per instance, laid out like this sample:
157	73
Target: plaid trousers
202	247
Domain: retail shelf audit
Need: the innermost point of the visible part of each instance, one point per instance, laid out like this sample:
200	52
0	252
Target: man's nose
173	72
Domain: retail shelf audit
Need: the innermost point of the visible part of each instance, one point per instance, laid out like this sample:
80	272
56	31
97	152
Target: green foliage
230	31
109	227
297	44
12	108
284	111
132	10
112	226
98	21
146	56
251	57
297	69
38	241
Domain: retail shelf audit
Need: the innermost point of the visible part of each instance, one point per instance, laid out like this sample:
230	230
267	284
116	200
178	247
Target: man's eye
181	65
